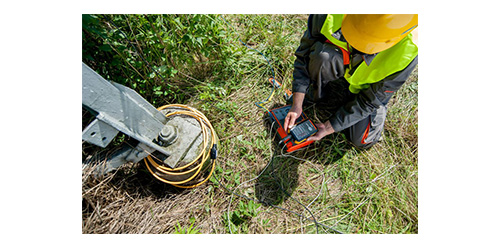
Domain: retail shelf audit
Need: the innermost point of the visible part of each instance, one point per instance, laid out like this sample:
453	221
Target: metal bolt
168	135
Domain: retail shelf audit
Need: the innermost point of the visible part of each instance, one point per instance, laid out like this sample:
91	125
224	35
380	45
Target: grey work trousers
326	71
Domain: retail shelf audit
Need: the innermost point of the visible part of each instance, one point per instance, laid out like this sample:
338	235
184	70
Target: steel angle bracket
99	133
118	108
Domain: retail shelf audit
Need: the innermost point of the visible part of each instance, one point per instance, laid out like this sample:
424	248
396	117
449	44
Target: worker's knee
324	55
365	136
366	133
358	143
320	57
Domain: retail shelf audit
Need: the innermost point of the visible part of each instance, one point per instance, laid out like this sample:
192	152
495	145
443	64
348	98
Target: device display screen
303	130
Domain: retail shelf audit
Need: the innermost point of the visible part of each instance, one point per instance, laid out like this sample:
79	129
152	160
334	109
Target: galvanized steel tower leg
118	108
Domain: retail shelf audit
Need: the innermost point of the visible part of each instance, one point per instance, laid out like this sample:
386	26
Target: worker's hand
324	129
292	115
295	111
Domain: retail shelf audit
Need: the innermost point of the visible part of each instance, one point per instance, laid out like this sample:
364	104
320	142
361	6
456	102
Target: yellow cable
201	158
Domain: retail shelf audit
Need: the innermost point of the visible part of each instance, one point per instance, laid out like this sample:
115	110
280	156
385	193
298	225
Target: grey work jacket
366	101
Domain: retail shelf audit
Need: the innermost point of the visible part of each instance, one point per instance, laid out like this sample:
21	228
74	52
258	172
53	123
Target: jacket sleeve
313	34
368	100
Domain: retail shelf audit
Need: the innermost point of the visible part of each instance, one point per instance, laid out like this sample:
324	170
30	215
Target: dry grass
130	201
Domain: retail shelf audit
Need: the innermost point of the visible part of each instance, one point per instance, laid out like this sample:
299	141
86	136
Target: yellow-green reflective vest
385	63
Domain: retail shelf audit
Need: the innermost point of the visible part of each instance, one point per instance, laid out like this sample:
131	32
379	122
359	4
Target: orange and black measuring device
297	136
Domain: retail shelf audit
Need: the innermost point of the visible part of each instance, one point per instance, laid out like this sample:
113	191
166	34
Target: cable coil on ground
194	173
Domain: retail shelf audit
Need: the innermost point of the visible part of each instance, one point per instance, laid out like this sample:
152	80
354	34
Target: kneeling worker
353	64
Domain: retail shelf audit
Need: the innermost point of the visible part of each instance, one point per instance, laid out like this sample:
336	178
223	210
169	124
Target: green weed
237	221
191	229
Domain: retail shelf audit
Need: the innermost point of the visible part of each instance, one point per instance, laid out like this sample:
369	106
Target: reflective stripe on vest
385	63
332	23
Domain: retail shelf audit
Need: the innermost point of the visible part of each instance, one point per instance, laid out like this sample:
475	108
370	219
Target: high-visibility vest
384	64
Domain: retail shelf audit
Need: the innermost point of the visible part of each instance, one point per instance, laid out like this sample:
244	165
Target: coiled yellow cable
196	165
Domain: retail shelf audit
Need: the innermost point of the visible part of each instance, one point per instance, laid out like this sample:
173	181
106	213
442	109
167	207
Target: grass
201	63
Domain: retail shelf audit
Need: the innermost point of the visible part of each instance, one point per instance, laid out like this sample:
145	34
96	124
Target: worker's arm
368	100
313	34
365	103
301	79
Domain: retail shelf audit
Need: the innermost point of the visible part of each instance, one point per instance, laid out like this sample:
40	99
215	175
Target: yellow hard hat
373	33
